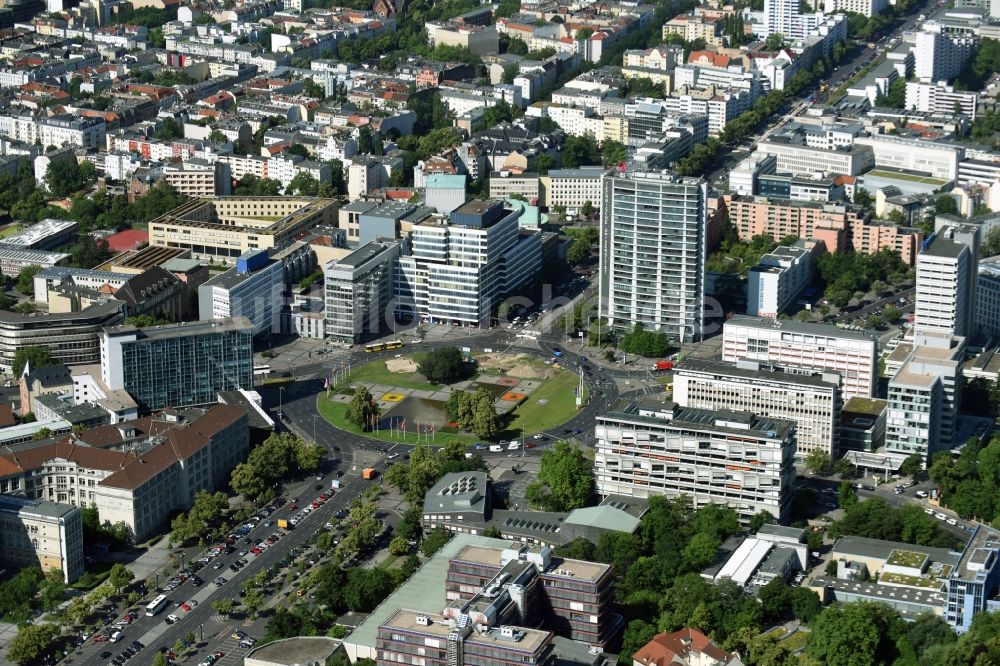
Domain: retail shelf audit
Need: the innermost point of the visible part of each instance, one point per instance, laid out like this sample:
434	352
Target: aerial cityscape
540	332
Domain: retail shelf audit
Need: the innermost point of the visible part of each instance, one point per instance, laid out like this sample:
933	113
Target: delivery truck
368	473
336	484
284	524
662	366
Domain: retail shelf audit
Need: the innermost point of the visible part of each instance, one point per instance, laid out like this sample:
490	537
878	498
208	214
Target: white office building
358	291
934	158
458	268
796	345
713	457
988	297
800	159
652	245
811	400
946	282
777	280
867	8
253	289
924	395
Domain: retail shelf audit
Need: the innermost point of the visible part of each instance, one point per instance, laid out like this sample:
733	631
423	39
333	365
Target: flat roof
793	326
713	420
943	247
424	588
880	549
26	506
763	373
603	517
491	555
232	277
183	329
861	405
406	620
39	231
363	254
298	650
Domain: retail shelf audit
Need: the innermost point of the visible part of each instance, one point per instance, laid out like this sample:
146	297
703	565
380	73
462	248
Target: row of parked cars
132	650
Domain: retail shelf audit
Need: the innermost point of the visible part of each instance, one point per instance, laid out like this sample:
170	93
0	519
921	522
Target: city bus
156	605
394	344
375	347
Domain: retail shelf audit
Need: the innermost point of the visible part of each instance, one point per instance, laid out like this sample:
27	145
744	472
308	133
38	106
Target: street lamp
201	633
314	429
281	393
157	584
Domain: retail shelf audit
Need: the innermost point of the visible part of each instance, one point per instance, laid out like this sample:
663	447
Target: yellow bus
394	344
375	347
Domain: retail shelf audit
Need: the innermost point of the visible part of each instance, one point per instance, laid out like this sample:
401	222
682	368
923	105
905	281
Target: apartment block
867	8
138	472
778	279
653	246
755	216
692	27
40	533
254	289
924	396
571	598
506	184
804	346
223	228
869	236
812	401
572	188
974	581
199	178
178	365
939	56
358	291
939	97
947	275
712	456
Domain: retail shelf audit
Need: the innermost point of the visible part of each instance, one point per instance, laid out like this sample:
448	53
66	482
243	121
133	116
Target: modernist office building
712	456
178	365
652	261
811	400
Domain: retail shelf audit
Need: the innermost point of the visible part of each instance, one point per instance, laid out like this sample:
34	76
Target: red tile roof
129	239
668	649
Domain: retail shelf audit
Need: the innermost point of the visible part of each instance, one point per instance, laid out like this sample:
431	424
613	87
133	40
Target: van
495	448
115	637
921	494
513	446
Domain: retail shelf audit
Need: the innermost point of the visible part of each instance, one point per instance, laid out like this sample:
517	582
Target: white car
173	618
929	512
951	521
940	516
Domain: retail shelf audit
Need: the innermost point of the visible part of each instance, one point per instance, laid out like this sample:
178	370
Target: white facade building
940	98
937	159
816	347
777	280
812	401
946	282
246	290
652	253
988	297
726	457
940	57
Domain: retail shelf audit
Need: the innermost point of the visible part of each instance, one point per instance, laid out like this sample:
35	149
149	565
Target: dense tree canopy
442	366
565	479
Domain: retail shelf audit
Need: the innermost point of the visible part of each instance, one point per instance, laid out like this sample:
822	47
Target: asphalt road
154	632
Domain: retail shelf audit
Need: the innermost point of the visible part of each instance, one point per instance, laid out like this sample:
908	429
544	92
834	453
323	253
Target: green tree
245	481
760	519
857	634
363	410
485	421
223	606
775	599
774	41
579	252
805	604
613	152
26	279
399	546
160	659
946	205
253	600
565	479
303	184
817	461
912	465
65	176
435	541
442	366
120	577
32	643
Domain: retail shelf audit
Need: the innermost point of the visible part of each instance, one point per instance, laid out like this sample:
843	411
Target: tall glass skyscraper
652	264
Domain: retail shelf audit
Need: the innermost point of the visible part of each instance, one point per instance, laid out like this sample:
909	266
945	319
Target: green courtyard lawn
375	372
336	414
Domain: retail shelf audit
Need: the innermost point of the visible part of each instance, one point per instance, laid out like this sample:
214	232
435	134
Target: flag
326	383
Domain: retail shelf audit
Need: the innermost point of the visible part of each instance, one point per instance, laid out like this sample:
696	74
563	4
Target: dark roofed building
156	292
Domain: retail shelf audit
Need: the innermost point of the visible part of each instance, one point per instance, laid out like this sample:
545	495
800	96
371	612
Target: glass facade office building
181	365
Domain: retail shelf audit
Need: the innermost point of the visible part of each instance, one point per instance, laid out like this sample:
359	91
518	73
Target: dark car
105	655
